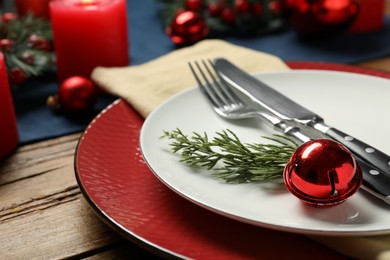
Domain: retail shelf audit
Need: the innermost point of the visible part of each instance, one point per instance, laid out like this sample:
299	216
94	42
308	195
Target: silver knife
375	182
287	109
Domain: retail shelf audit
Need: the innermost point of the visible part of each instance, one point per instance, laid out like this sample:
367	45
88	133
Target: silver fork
230	105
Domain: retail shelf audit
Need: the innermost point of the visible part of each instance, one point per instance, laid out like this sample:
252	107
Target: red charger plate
126	195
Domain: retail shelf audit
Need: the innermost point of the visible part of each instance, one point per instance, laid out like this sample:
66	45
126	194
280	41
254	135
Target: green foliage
232	160
245	24
19	31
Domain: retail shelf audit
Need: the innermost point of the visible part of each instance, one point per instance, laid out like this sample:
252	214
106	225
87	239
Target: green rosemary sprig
239	162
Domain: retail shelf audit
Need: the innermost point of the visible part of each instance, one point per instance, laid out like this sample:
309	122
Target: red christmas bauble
242	6
257	8
187	27
9	16
37	42
76	93
194	5
322	173
321	18
6	44
275	7
17	75
215	8
228	15
27	57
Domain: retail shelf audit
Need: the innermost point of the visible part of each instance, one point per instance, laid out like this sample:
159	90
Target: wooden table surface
43	214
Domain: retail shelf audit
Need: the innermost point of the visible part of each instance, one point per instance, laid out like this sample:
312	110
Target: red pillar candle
87	34
8	129
38	8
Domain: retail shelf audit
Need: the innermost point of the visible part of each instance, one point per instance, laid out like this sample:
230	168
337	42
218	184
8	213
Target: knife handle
375	182
366	152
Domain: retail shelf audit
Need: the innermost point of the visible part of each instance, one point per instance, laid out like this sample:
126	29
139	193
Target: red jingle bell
322	173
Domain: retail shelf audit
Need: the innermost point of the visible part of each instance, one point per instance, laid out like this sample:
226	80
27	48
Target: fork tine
217	85
207	88
218	89
219	93
227	92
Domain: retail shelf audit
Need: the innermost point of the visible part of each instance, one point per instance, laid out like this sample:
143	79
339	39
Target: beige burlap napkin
147	85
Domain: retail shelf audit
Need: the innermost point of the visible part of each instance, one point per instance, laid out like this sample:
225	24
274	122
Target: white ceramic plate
356	104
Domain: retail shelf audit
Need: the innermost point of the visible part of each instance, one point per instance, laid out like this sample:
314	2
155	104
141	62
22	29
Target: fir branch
245	24
18	31
240	162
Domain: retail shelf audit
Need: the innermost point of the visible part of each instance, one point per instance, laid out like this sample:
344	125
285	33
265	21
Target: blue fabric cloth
38	122
148	41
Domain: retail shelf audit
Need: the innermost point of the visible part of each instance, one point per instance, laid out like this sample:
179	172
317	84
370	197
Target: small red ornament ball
242	6
322	173
6	44
194	5
228	15
17	75
321	18
39	43
9	16
76	93
187	27
215	8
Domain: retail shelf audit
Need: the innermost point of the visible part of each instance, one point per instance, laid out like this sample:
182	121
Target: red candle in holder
8	128
87	34
371	16
38	8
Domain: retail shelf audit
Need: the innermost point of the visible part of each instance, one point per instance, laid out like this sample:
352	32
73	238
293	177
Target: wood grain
379	64
43	214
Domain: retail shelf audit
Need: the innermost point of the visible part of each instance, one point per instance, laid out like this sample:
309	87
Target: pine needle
230	159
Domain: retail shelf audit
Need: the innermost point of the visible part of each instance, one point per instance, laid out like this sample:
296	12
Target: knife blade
375	182
285	108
